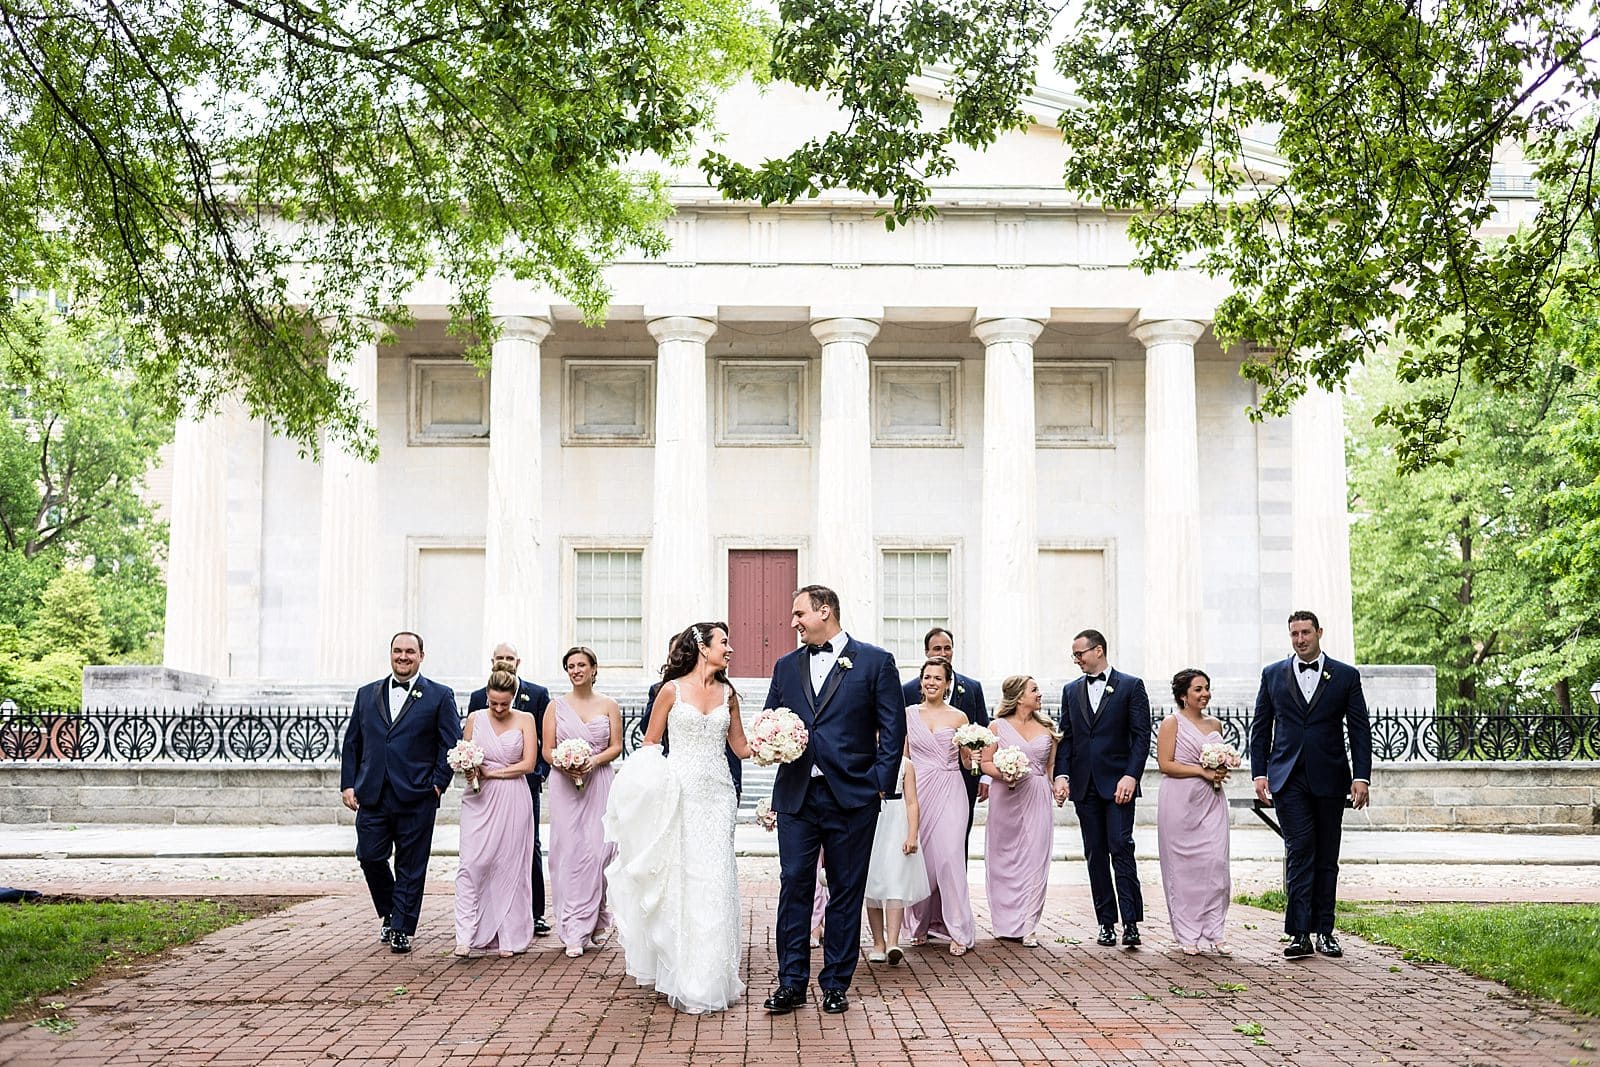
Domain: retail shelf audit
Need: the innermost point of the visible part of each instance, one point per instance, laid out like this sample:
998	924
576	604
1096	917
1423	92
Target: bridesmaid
578	849
942	809
494	886
1192	819
1020	828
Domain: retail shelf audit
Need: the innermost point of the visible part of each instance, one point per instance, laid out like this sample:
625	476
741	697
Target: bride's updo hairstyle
686	653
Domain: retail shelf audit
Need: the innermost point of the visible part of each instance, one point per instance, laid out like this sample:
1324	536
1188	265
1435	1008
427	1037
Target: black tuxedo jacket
857	725
532	698
965	695
1287	729
408	753
1100	748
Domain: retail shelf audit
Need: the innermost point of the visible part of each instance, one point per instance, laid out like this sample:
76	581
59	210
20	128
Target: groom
847	693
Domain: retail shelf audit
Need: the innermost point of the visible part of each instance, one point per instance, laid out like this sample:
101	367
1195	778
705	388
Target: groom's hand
1125	787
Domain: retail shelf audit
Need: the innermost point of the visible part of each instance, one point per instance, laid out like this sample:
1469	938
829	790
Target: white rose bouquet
766	818
777	736
572	754
975	738
466	757
1219	757
1012	763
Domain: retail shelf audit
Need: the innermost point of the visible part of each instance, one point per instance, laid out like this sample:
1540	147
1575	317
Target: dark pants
844	837
1108	846
1311	829
538	852
972	805
407	831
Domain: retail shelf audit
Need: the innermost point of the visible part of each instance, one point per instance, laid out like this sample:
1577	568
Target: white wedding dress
674	885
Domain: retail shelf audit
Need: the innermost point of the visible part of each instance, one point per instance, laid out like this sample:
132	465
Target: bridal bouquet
466	757
975	738
572	754
1012	763
1218	757
766	818
777	736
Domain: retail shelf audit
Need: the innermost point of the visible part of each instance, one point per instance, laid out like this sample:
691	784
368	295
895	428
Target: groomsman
965	695
533	699
1105	741
1304	707
392	776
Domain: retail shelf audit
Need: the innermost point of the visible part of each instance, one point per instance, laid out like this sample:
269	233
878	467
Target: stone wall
1523	797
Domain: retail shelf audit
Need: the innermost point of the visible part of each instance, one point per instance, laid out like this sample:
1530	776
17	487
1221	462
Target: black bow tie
395	683
1304	666
1098	677
817	650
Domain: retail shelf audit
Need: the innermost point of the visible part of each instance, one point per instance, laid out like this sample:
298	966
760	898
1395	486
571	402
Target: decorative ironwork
256	734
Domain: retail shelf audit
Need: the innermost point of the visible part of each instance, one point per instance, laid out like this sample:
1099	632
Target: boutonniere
415	693
1110	688
961	689
844	663
522	698
1326	676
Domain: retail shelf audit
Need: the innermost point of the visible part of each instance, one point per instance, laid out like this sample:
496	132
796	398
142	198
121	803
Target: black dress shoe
1130	935
1299	945
540	927
1328	945
399	942
784	999
1108	935
834	1002
388	932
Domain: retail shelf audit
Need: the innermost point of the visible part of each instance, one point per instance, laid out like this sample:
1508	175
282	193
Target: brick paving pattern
311	985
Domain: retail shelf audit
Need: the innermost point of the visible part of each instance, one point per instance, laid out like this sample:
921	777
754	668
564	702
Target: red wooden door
761	585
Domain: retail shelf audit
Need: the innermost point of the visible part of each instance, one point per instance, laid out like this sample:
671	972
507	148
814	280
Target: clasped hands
1126	786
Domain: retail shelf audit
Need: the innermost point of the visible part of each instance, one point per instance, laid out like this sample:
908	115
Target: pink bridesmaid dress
579	851
1019	835
1192	838
494	886
942	834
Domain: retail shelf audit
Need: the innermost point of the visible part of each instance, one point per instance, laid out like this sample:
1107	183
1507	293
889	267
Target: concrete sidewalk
1248	844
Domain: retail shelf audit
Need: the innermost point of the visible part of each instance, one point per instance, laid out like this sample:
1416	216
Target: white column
1320	579
843	557
1172	564
1008	616
347	629
513	602
197	566
678	584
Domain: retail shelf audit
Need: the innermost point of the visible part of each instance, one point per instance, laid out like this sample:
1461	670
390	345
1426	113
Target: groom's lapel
802	664
830	684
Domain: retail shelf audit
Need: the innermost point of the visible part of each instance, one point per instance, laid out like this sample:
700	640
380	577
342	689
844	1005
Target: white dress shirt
397	697
1307	680
820	665
1097	689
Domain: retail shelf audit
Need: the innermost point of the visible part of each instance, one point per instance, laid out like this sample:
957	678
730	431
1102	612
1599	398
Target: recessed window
916	598
608	587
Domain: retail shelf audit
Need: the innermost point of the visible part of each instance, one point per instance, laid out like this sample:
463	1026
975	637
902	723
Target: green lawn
1548	950
49	947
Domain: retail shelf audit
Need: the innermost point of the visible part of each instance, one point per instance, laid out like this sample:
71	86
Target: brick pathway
312	986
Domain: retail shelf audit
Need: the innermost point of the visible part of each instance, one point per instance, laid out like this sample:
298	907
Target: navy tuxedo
533	699
966	696
1299	747
857	724
1097	749
735	764
398	772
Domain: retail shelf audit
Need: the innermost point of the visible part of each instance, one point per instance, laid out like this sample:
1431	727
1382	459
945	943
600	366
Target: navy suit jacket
1102	748
966	696
410	752
1287	729
532	698
857	725
735	764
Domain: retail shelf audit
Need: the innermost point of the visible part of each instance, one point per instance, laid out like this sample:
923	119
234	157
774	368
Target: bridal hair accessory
695	630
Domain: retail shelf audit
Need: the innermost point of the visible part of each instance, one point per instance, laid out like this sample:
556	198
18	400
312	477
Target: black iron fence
258	734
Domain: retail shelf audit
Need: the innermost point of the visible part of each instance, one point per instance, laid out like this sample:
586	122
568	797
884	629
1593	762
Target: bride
674	886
